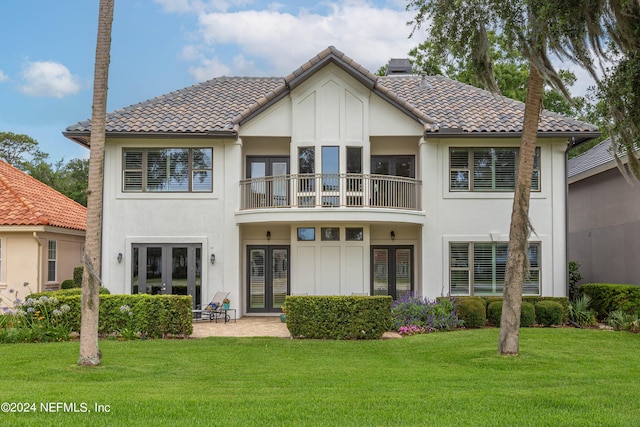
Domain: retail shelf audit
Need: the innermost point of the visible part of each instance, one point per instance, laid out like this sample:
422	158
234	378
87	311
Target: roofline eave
578	136
83	138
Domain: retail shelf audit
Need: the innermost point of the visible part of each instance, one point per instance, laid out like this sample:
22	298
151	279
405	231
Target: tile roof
220	105
26	201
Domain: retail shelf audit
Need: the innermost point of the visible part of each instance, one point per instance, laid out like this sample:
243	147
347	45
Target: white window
478	268
52	261
488	169
167	170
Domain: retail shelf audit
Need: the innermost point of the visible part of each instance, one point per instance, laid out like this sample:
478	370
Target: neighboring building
41	235
604	218
331	181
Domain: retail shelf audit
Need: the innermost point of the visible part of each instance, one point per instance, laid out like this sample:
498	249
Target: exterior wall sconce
268	235
119	257
212	259
393	235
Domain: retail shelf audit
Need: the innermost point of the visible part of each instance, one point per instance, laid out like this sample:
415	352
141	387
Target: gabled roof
219	106
26	201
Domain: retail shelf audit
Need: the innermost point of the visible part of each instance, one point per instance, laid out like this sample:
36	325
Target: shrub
66	292
338	317
606	298
67	284
471	311
549	313
574	278
621	321
527	313
77	276
580	313
40	319
411	310
494	312
152	316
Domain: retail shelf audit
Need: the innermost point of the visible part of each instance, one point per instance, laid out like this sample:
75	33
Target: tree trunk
89	351
517	263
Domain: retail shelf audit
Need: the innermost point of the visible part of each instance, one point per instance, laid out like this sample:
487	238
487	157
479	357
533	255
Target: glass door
267	278
392	270
270	186
167	269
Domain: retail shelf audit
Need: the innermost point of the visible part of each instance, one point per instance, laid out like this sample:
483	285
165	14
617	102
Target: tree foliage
510	68
461	29
595	34
23	152
15	147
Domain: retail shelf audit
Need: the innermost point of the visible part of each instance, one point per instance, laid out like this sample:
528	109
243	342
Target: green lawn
563	377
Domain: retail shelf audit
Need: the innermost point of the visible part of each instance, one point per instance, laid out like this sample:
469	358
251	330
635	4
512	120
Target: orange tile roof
26	201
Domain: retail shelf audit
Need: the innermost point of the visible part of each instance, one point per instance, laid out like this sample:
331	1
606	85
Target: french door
391	270
267	278
174	269
270	186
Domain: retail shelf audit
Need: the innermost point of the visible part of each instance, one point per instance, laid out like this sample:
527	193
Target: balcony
330	191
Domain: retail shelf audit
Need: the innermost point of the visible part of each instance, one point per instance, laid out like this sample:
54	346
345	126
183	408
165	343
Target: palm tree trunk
517	263
89	352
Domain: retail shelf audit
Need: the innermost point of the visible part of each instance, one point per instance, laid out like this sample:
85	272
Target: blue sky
47	51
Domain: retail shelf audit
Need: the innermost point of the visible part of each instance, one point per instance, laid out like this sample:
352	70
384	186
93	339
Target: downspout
39	261
566	215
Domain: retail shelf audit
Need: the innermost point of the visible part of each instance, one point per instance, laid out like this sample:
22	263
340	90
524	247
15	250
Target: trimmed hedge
153	316
338	317
527	313
65	293
494	312
608	297
563	301
472	311
549	313
67	284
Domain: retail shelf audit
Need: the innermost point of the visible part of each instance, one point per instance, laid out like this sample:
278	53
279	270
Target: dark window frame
135	177
466	169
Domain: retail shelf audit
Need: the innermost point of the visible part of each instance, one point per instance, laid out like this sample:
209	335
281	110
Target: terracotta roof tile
220	104
26	201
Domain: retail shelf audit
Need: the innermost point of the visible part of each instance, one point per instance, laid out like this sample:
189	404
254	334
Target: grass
565	377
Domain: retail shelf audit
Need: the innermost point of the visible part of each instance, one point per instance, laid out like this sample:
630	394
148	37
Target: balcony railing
330	190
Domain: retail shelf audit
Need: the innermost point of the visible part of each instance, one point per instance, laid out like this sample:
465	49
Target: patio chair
215	309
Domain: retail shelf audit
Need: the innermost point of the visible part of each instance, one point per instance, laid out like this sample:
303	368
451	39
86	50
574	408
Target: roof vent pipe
424	82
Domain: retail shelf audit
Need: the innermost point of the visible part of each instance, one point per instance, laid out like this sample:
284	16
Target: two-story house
330	181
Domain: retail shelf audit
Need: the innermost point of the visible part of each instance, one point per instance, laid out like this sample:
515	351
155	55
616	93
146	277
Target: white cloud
210	68
186	6
48	78
275	43
3	77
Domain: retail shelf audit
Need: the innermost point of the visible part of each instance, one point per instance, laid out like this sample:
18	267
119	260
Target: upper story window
167	169
488	169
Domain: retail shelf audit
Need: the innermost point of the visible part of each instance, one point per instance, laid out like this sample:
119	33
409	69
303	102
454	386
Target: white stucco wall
329	109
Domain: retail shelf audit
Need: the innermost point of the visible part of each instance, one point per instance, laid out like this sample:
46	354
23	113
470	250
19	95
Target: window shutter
459	169
132	173
459	268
